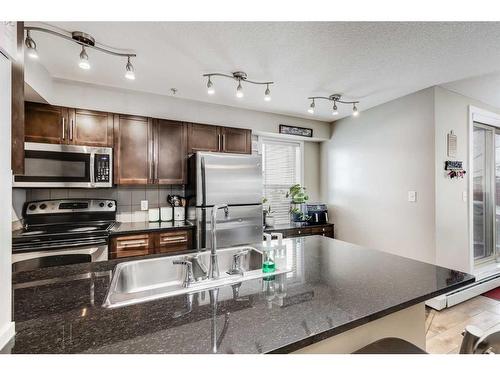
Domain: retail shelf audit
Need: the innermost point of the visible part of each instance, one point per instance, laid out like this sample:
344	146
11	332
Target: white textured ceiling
485	88
371	62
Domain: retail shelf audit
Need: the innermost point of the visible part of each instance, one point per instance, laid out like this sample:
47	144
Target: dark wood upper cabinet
45	123
219	139
203	138
90	128
170	144
17	127
133	150
236	140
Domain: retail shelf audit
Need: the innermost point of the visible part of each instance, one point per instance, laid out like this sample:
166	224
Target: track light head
129	70
239	90
355	111
84	60
31	46
267	94
311	107
210	87
335	111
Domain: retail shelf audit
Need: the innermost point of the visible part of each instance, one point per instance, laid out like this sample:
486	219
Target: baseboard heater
463	294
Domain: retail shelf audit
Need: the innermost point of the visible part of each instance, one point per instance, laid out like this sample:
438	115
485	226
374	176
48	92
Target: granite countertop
334	286
293	225
121	228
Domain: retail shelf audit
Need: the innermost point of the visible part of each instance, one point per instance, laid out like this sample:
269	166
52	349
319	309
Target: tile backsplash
128	199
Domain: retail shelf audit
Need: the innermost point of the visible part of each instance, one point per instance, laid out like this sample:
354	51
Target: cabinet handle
130	243
218	142
223	142
173	239
71	130
63	128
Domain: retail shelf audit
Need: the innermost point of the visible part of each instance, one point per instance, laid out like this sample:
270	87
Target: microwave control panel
102	168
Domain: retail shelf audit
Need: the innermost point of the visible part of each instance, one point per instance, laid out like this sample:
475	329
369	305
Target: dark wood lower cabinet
158	242
325	230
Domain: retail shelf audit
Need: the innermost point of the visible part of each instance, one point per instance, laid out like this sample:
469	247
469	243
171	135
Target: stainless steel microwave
65	166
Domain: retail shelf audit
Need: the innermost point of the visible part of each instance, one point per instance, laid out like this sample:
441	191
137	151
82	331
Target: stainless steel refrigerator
232	179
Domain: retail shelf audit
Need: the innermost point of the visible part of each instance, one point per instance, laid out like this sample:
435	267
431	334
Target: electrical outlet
412	196
144	205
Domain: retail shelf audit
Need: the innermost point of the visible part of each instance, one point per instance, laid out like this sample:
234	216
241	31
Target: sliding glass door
486	184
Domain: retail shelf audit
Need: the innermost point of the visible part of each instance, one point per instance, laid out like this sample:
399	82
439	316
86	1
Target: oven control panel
60	206
102	170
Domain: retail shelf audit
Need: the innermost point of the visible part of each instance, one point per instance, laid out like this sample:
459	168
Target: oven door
40	259
63	166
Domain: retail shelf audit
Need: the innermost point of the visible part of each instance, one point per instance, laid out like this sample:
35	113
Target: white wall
452	229
6	324
312	166
369	165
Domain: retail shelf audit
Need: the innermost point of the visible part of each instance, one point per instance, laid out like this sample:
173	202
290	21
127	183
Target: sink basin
149	279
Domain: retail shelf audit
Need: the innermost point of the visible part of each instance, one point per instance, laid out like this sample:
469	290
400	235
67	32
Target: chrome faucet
213	270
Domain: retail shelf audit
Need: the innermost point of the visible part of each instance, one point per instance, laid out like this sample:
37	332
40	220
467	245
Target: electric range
63	231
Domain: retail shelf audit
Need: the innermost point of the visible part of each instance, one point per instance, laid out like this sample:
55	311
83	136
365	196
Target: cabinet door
175	240
237	141
170	152
90	128
45	123
133	150
131	246
203	138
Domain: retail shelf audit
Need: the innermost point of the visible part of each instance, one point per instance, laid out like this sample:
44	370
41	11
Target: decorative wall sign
295	130
455	168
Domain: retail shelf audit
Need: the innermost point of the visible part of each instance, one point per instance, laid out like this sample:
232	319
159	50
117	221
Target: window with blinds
281	168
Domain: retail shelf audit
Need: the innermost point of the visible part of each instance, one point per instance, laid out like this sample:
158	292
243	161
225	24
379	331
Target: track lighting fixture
82	39
129	70
311	107
240	77
336	98
31	46
84	60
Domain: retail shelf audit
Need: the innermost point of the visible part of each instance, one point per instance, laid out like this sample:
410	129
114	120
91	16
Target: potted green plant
268	218
298	199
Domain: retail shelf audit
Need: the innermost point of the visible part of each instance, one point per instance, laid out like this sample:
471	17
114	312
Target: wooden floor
444	327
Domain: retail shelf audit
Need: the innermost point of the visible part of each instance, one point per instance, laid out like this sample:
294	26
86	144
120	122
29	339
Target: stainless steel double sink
144	280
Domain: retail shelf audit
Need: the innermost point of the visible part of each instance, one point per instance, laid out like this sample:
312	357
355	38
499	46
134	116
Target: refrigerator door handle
203	181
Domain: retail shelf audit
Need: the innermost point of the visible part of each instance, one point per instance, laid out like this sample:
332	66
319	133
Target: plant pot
269	220
298	212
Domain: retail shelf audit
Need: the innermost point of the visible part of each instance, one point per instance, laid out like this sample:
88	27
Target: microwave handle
92	169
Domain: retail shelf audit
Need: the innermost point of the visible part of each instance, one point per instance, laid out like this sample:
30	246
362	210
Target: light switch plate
144	205
412	196
464	195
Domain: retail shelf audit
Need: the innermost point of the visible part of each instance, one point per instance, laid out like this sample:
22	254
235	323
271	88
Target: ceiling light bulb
239	90
267	94
31	46
311	107
129	70
355	111
210	87
84	60
335	111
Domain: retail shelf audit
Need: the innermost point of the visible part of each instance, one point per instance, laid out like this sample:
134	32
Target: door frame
493	120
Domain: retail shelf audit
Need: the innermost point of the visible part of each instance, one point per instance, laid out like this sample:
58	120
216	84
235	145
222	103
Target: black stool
390	345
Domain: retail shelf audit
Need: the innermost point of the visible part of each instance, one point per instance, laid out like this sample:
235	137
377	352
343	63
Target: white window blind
281	168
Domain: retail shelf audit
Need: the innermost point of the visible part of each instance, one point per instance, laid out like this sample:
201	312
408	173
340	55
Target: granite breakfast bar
336	293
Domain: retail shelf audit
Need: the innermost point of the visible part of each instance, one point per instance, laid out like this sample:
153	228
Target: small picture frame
296	130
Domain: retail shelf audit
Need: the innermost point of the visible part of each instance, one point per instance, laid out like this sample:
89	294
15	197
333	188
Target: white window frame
300	143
